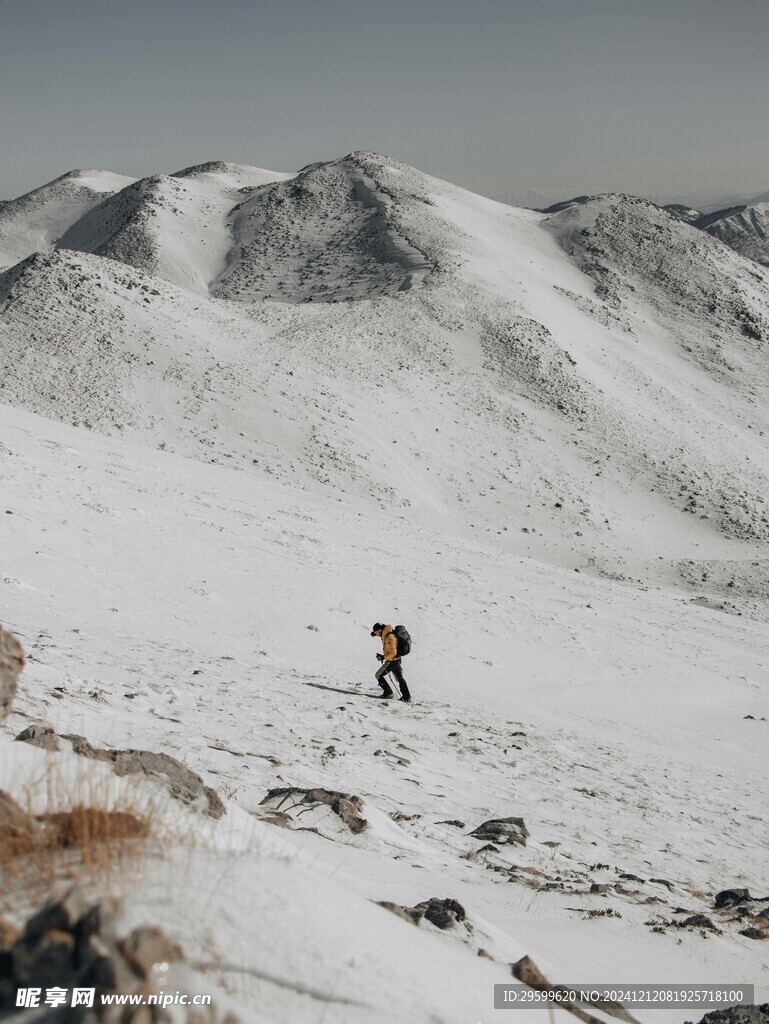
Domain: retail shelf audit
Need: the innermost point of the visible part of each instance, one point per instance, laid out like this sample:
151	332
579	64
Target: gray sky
577	95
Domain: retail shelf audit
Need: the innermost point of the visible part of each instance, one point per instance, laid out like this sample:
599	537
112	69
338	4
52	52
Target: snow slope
327	235
37	220
167	603
538	440
747	231
174	226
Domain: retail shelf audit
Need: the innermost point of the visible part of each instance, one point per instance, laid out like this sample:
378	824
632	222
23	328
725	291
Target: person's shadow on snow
335	689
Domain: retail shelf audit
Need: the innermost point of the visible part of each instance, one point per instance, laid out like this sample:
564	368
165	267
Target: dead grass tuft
74	834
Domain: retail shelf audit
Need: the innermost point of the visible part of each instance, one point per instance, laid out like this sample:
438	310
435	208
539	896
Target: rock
11	664
147	946
731	897
441	913
631	878
699	921
502	830
71	943
40	736
349	808
452	821
80	745
599	887
754	933
748	1014
182	783
663	881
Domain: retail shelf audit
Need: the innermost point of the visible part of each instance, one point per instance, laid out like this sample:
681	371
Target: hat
376	626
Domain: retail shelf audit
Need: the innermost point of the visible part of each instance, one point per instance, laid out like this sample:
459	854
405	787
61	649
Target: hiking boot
406	700
386	694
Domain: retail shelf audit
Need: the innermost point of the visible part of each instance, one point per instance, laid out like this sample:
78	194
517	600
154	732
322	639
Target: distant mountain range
743	226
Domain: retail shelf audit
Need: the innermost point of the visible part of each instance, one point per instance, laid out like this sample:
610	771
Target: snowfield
247	415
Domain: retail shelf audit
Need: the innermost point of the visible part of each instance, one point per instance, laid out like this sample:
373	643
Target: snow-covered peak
36	220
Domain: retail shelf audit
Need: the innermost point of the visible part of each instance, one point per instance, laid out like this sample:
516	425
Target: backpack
404	640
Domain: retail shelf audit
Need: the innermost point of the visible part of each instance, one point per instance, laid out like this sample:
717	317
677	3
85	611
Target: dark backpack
404	640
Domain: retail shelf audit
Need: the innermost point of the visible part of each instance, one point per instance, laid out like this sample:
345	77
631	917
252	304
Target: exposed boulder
41	736
731	897
147	946
11	664
349	808
72	943
748	1014
182	783
502	830
443	914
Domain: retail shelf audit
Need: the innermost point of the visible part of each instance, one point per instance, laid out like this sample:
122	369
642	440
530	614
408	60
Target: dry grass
69	833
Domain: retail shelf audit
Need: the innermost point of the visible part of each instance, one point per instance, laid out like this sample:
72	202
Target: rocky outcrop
72	943
502	831
731	898
181	782
11	664
349	808
442	913
750	1014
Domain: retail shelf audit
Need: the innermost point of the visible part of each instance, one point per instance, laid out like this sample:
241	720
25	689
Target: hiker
391	662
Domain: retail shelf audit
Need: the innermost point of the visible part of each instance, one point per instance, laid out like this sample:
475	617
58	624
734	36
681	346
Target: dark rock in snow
731	897
11	664
441	913
750	1014
502	830
699	921
348	807
71	943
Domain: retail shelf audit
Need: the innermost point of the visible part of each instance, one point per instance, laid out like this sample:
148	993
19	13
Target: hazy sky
577	95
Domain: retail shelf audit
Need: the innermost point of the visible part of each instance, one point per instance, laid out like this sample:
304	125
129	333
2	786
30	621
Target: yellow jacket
389	644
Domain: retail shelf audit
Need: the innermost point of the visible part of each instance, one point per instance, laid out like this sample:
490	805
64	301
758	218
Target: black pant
397	671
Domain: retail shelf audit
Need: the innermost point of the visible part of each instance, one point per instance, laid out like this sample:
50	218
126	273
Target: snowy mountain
244	416
37	220
744	229
174	226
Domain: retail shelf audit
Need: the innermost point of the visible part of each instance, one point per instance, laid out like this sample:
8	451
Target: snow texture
234	436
